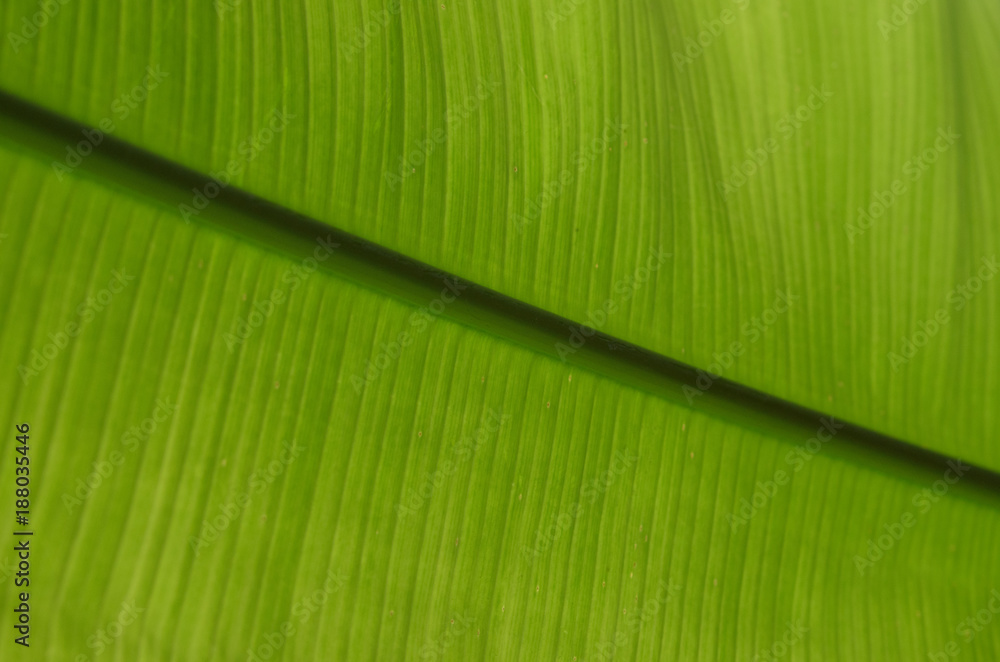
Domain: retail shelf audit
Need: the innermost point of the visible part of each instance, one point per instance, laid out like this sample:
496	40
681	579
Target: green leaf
254	442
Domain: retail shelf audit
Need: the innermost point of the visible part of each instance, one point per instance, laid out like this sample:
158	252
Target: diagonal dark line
273	227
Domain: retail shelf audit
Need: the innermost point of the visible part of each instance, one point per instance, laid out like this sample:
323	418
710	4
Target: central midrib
275	228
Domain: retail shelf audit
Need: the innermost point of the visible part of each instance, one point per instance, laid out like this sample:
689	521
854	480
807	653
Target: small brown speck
201	263
392	612
420	434
277	384
548	404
